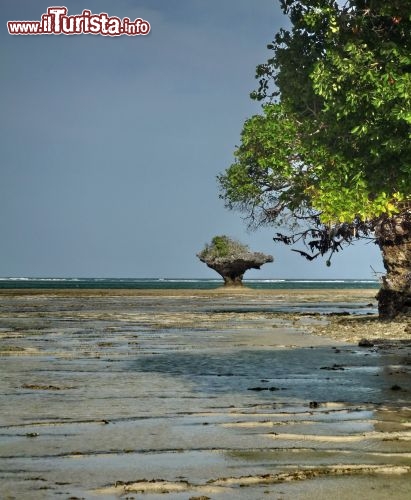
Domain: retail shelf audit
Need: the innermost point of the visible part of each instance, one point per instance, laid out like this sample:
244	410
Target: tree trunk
394	240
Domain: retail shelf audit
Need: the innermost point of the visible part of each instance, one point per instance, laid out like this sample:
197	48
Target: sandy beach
189	394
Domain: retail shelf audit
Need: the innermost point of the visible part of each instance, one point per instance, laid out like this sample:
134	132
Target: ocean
179	284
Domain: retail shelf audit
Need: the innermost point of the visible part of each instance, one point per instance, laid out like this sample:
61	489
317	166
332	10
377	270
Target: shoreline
350	328
175	393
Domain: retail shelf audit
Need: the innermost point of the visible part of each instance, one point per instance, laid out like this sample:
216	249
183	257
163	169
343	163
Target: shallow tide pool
174	395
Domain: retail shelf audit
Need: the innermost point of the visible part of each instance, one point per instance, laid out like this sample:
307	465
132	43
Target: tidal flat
219	394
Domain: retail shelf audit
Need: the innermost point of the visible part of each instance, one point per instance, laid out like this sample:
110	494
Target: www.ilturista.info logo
57	22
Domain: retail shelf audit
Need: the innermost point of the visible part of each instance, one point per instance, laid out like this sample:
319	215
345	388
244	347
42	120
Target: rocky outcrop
232	269
231	259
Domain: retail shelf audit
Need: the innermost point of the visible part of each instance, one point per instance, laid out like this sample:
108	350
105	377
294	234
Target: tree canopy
330	154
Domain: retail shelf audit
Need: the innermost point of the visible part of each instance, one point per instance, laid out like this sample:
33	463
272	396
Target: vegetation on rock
223	246
231	259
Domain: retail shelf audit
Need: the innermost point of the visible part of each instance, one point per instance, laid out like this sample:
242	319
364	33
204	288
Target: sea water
181	284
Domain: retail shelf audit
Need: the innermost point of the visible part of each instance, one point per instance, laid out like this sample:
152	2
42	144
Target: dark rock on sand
365	343
314	404
333	367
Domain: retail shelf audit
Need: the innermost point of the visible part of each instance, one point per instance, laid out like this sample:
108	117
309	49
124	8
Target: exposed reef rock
231	259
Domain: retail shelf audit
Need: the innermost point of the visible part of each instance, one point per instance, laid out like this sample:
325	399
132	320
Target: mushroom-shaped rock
231	259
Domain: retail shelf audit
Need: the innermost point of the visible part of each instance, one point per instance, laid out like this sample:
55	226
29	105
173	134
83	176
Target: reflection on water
303	307
321	373
194	396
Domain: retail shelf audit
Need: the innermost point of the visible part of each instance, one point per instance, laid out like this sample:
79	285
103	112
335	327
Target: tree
329	157
231	259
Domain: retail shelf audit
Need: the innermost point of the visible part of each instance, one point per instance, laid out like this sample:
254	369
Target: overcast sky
110	146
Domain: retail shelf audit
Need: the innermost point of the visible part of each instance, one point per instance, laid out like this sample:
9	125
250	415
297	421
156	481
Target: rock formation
231	259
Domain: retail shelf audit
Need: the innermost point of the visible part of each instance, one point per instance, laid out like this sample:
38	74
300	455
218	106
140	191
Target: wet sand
194	394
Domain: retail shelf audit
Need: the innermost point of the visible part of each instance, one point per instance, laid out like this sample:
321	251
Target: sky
110	146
